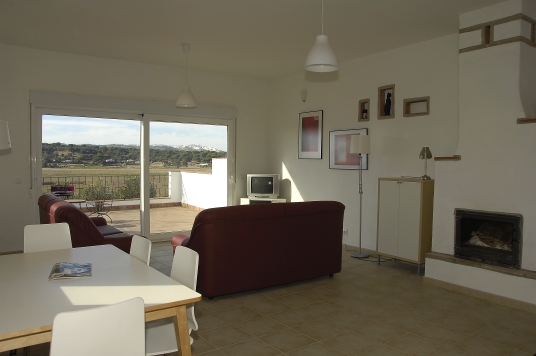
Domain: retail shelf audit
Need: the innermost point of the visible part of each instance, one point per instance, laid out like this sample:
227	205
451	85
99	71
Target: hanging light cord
186	68
322	20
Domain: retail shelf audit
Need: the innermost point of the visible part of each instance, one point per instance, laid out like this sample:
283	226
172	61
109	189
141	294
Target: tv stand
249	201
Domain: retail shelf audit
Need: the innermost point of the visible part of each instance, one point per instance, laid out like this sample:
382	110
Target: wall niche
364	110
386	102
417	106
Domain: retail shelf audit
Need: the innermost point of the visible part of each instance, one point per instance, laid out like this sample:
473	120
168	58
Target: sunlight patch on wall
287	188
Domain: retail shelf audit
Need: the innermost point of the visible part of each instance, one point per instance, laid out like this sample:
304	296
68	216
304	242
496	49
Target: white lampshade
360	144
5	142
321	57
186	98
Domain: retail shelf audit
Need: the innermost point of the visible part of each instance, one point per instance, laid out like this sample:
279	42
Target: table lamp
425	154
360	144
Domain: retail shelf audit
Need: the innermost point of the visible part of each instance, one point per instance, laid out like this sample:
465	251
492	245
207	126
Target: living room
267	131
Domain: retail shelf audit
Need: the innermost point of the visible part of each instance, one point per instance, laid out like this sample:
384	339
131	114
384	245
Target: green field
83	177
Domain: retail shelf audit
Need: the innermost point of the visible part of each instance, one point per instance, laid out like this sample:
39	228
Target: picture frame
339	150
310	135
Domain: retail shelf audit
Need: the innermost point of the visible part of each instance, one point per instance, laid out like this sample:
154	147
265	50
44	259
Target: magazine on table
69	270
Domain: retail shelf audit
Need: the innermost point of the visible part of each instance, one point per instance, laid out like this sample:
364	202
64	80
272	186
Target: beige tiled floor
366	309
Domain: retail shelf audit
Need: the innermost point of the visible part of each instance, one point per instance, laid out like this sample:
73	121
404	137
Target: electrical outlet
345	231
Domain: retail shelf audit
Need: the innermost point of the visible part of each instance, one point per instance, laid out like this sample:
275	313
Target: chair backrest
117	329
184	268
46	237
141	248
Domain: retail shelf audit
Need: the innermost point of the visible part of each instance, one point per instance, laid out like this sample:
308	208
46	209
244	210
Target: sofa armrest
179	240
98	220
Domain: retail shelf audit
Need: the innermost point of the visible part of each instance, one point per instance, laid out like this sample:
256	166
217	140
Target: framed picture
339	150
310	135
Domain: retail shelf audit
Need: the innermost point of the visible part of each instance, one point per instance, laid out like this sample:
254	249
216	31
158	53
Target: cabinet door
388	217
409	220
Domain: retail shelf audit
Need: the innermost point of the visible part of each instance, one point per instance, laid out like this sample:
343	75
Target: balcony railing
160	183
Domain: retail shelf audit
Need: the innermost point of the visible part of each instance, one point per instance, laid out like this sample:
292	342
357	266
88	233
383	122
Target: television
263	186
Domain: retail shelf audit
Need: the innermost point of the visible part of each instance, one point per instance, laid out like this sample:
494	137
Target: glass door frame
49	103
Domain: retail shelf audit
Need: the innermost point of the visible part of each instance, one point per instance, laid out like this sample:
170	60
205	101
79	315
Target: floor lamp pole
360	254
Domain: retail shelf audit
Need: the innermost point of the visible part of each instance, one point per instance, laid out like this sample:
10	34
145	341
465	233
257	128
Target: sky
84	130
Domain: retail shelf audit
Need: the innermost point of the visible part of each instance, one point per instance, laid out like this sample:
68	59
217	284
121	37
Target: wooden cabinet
405	210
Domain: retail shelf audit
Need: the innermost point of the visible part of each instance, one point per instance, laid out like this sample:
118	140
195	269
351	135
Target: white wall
24	69
201	190
426	69
497	169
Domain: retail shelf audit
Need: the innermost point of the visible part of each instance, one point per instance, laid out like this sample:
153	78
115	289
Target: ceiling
260	39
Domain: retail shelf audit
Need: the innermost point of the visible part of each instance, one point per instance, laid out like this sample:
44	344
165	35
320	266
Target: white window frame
49	103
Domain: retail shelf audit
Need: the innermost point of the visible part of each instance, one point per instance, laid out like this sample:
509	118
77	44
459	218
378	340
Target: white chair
160	334
141	248
46	237
117	329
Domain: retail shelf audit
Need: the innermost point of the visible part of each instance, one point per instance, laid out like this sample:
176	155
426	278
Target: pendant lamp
186	98
321	57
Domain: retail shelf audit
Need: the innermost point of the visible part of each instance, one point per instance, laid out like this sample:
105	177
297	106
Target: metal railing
160	182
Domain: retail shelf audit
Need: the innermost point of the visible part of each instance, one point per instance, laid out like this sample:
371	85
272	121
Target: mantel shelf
448	158
526	121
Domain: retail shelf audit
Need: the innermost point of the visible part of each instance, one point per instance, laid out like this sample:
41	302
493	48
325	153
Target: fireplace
489	237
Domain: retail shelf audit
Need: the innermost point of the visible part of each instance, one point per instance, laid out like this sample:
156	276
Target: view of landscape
110	158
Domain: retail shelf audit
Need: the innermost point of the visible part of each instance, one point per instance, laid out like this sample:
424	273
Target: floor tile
287	340
253	347
320	329
225	336
380	332
415	345
351	343
479	346
316	349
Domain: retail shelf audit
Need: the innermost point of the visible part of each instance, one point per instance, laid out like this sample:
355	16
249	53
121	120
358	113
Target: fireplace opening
489	237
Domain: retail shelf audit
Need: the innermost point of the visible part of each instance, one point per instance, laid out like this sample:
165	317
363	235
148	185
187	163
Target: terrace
176	197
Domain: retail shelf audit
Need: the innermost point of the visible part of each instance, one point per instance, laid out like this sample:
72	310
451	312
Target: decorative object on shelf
360	144
386	102
364	107
340	156
416	106
186	98
303	95
5	141
310	135
321	57
425	154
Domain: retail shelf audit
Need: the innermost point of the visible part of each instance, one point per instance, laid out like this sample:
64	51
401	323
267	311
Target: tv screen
263	185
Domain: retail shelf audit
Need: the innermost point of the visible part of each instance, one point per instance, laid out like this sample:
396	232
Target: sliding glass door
146	174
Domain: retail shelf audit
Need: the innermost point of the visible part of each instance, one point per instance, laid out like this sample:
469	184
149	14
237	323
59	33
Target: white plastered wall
425	69
497	169
24	69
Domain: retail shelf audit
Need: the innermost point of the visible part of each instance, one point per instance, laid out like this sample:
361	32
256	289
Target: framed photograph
339	150
310	135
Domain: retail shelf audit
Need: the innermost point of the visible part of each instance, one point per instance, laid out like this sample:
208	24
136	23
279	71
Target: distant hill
175	156
190	147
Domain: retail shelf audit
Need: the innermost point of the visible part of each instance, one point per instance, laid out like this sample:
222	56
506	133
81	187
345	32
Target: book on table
69	270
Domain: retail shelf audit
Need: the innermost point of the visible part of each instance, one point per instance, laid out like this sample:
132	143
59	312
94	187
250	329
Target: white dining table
29	301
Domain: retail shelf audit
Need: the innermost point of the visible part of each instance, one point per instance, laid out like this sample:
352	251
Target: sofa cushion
108	230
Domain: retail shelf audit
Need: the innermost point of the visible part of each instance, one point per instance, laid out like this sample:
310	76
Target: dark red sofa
85	230
251	247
